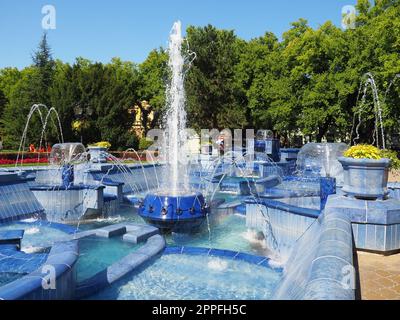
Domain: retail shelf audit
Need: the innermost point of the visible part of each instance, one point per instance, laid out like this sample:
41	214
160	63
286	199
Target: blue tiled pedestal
376	224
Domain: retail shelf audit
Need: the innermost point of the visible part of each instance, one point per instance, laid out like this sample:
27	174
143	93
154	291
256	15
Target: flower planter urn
365	178
97	154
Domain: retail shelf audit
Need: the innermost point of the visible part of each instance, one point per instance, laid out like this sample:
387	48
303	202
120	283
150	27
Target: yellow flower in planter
363	151
102	144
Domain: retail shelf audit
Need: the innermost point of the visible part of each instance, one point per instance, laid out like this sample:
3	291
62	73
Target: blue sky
130	29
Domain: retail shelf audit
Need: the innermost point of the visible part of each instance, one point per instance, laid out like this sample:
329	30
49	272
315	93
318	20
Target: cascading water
175	120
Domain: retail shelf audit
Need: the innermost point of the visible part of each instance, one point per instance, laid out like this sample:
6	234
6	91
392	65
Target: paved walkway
379	276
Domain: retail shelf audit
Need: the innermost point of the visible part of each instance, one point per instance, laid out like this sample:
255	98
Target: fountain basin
181	213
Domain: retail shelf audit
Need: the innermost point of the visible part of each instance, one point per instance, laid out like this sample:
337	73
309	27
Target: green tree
3	101
254	77
30	86
43	61
153	75
210	83
120	92
20	99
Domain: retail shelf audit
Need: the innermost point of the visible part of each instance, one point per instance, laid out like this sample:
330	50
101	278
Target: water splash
175	119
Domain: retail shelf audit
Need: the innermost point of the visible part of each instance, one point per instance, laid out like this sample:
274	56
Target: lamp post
81	114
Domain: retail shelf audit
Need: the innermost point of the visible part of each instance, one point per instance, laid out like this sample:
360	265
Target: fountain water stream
41	109
175	207
379	130
175	120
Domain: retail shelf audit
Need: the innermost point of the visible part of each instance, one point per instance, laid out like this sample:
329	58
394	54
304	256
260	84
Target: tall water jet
175	207
379	130
42	110
175	120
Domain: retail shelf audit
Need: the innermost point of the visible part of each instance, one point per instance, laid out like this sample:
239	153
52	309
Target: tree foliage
210	83
306	83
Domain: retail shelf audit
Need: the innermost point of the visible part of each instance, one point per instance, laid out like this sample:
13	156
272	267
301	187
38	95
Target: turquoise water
184	277
170	277
96	254
225	231
35	235
124	214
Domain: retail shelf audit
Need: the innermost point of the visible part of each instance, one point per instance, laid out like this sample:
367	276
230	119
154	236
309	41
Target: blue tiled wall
49	176
70	205
17	201
384	238
281	225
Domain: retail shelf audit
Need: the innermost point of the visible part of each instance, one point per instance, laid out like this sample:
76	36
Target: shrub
144	144
392	155
132	142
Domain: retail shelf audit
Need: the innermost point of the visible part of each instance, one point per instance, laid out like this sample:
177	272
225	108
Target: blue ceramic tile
380	238
227	253
172	250
249	258
195	251
370	240
361	236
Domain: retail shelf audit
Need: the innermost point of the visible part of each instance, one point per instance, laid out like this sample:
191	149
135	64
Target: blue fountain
176	208
179	213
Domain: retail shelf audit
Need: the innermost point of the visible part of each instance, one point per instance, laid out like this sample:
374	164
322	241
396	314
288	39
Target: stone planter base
365	178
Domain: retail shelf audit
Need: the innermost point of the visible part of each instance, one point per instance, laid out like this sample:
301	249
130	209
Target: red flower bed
27	155
24	161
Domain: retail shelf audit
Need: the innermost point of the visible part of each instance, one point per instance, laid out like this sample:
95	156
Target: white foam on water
251	236
32	230
31	249
277	262
29	220
217	264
